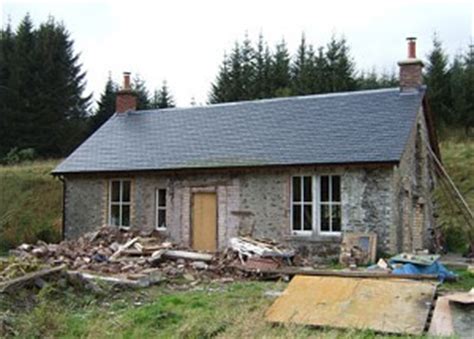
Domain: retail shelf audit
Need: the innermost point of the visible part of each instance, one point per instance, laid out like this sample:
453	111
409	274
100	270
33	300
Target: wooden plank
391	306
122	248
119	281
176	254
343	274
442	321
29	277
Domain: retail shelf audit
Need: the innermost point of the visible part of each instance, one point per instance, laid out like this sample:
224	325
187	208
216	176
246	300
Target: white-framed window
302	204
316	204
160	200
119	202
330	204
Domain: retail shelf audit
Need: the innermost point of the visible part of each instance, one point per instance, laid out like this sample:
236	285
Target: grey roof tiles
363	126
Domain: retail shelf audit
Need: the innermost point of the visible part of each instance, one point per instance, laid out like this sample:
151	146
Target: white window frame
329	203
120	203
301	205
316	205
159	208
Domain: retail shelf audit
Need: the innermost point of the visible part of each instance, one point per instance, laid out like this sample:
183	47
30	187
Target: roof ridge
266	100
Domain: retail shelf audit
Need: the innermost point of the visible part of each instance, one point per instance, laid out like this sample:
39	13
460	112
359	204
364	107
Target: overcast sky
184	41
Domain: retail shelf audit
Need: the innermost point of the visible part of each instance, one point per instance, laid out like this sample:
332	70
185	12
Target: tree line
255	71
44	110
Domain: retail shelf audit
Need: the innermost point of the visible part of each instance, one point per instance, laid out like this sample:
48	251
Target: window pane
296	188
115	215
297	218
308	217
162	197
325	218
161	218
115	195
308	196
125	216
126	191
336	218
325	188
336	188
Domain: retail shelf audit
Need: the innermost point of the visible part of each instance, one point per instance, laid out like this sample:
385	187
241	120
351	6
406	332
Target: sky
183	41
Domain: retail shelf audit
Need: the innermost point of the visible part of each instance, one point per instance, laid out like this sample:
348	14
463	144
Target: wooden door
204	221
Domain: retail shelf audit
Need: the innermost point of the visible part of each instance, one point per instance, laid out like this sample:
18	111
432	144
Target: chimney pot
126	81
126	98
411	47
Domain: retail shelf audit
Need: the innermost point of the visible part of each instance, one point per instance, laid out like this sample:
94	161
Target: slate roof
351	127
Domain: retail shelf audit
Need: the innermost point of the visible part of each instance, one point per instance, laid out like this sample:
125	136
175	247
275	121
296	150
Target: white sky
184	41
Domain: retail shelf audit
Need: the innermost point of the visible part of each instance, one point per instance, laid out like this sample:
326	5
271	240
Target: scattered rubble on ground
135	259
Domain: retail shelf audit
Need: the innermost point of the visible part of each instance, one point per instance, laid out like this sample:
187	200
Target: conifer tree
162	98
280	71
221	86
143	95
261	84
467	115
302	73
437	80
247	54
105	105
340	67
321	78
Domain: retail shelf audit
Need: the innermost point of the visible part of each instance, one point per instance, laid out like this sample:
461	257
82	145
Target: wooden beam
29	277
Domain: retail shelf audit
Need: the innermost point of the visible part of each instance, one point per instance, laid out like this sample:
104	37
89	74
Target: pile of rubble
133	258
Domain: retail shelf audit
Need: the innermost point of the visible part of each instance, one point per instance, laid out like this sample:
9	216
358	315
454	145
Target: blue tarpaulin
435	268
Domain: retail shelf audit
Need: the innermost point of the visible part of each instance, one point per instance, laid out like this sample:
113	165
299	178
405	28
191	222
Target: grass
223	311
458	159
30	204
235	310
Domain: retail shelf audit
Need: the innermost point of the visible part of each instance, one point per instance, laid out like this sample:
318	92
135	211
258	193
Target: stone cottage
300	170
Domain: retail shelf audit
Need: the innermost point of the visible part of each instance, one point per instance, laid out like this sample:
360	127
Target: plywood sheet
392	306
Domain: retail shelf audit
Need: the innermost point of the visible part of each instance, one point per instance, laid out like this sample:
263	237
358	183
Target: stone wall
250	202
413	185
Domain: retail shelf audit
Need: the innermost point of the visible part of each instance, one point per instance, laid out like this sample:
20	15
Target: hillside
30	204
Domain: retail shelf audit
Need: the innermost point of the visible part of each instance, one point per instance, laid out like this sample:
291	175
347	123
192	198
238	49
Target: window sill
161	229
315	238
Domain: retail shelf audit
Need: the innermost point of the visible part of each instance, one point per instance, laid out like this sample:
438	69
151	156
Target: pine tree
143	95
162	98
105	105
221	86
467	115
7	47
437	81
261	85
457	90
247	54
280	71
321	78
302	69
340	67
235	75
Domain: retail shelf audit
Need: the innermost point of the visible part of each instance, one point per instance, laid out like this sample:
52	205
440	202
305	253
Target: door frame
197	190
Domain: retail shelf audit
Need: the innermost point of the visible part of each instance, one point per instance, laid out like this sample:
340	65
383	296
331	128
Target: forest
46	112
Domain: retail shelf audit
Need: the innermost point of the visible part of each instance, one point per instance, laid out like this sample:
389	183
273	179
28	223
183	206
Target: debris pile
137	259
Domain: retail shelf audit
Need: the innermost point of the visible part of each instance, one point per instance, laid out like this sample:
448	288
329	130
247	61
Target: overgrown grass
458	159
222	311
30	204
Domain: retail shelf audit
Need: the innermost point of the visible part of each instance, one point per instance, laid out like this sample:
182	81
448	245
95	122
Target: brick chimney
126	97
410	69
